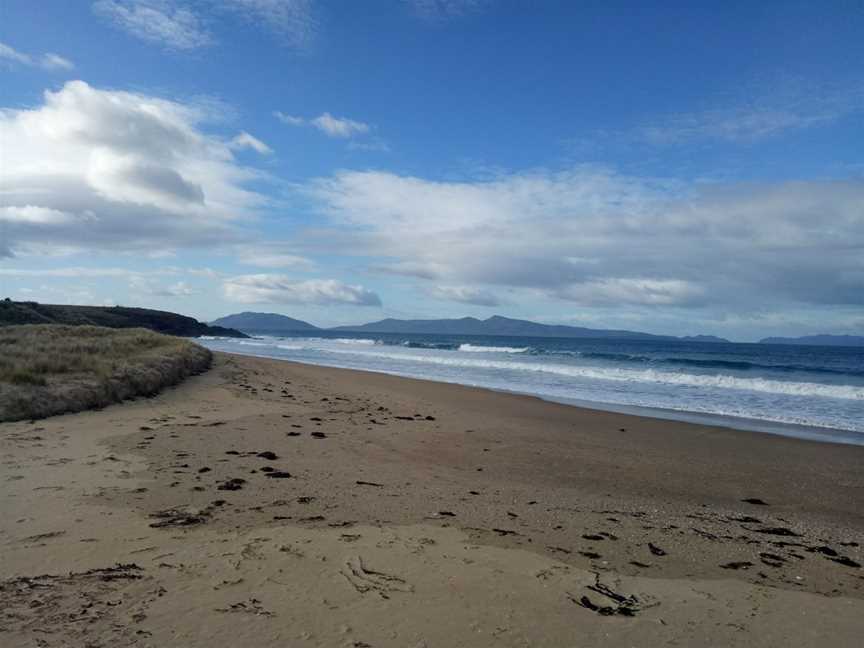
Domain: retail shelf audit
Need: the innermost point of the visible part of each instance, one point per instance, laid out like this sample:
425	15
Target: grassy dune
51	369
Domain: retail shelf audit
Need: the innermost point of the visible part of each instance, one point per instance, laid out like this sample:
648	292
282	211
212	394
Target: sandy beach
268	503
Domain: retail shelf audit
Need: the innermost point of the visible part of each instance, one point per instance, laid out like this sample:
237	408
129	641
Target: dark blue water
811	392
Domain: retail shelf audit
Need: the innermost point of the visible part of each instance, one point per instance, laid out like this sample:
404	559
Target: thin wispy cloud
191	24
771	114
34	215
373	145
735	125
146	286
339	127
292	20
280	289
273	255
465	295
140	283
72	272
166	23
246	141
48	61
647	292
290	120
442	9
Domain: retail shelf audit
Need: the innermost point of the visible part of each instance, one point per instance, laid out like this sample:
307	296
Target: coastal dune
275	503
48	369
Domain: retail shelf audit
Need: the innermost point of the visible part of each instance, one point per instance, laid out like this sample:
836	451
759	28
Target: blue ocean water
802	391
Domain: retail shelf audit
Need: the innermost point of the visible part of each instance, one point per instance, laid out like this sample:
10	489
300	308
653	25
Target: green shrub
20	377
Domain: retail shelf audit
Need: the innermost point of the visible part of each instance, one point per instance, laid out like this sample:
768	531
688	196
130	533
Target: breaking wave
476	348
765	385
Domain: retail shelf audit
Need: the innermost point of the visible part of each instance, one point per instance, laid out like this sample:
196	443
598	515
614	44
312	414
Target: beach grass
48	369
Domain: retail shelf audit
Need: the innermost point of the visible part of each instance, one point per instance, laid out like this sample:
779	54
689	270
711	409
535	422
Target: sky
678	167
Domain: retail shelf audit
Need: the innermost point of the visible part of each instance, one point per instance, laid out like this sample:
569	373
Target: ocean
801	391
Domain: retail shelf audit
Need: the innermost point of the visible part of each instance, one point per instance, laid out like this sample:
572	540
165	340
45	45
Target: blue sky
680	168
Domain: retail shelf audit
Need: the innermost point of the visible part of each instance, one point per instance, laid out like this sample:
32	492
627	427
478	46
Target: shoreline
816	434
404	512
667	440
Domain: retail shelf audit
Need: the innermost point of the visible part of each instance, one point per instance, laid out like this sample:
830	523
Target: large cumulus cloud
119	171
593	237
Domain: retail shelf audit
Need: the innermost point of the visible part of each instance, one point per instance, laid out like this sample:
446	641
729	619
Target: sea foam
475	348
720	381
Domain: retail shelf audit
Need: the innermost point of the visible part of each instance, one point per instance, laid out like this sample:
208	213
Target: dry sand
395	512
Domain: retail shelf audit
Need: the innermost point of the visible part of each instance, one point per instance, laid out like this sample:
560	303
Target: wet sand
275	503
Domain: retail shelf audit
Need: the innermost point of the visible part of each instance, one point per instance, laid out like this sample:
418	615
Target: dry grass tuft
48	369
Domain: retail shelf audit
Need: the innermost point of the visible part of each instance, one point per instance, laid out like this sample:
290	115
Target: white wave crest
717	381
471	348
319	343
247	343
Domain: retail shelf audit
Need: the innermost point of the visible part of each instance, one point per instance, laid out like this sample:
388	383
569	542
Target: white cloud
145	285
106	170
328	124
596	237
373	145
465	295
293	20
438	9
208	273
652	292
52	61
770	111
272	256
280	289
48	61
163	22
289	119
76	272
339	127
746	117
11	54
178	25
420	270
33	215
739	125
245	140
66	294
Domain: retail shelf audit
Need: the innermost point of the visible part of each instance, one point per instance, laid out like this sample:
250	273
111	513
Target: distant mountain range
239	324
703	338
496	325
818	340
264	322
12	312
